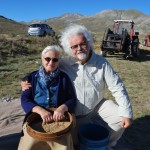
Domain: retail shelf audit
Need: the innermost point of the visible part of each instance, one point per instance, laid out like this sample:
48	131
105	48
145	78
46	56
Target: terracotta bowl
35	130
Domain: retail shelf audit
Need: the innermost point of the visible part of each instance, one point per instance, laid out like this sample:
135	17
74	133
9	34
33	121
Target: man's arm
118	90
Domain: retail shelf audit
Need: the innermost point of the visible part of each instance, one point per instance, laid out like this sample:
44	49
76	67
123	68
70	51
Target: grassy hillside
8	26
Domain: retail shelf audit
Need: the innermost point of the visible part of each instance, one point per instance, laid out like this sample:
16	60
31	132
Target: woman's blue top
59	91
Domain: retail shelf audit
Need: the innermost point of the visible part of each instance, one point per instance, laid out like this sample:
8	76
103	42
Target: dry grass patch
135	75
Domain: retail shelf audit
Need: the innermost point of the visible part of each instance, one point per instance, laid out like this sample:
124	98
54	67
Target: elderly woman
50	88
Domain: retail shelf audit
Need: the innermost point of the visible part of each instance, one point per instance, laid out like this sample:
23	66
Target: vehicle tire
45	33
135	48
125	44
124	36
53	34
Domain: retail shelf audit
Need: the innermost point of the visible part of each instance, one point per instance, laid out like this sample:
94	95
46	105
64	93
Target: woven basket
45	136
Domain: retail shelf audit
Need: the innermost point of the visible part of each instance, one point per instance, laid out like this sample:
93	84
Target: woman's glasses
54	60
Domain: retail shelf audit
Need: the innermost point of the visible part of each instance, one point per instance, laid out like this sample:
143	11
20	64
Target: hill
8	26
96	23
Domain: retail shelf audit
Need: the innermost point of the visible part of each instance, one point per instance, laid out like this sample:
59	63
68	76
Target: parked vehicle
123	38
146	40
40	29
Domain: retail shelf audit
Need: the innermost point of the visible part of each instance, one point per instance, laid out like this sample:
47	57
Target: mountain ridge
96	23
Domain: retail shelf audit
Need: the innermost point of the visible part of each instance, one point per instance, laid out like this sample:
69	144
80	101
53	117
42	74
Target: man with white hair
90	73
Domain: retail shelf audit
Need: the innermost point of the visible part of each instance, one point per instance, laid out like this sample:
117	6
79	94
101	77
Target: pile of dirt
53	127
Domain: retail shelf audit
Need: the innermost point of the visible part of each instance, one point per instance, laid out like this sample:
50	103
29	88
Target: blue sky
27	10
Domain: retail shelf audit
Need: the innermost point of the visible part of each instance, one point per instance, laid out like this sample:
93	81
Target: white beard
82	56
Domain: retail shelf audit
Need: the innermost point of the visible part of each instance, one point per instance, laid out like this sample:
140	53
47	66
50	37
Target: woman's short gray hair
71	31
52	48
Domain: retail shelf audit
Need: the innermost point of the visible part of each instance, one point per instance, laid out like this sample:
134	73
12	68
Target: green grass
136	77
12	73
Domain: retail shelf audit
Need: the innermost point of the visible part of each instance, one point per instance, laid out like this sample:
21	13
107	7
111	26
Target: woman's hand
46	116
59	113
25	85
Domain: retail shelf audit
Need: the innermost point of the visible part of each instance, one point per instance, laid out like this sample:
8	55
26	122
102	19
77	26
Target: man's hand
25	85
126	122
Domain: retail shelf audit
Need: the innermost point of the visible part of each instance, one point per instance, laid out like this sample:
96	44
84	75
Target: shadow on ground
138	135
10	142
144	56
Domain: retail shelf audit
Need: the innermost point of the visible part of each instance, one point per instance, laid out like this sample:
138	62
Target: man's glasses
54	60
82	45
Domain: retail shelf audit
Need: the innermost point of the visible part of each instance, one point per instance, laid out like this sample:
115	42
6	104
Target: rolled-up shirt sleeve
118	90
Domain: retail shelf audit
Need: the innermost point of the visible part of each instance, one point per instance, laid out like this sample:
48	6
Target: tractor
123	38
